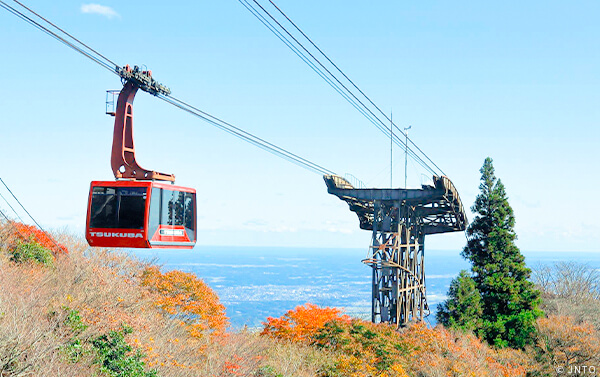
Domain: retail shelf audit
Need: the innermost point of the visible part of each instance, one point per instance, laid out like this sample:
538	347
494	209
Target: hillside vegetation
70	310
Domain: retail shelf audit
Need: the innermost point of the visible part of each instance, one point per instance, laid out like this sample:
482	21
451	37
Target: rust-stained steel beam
439	206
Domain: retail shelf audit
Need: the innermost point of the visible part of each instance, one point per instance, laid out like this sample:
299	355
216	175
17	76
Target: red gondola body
141	214
143	208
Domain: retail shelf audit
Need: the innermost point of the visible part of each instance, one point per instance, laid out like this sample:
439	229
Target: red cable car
143	208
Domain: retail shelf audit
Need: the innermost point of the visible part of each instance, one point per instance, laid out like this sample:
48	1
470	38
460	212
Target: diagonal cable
31	217
353	84
381	125
363	109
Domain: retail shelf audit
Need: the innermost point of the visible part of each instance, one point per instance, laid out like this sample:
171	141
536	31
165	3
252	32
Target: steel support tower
399	220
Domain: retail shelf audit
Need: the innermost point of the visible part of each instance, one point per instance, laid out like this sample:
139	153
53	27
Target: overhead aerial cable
353	84
90	53
336	83
246	136
354	101
11	207
319	71
27	212
69	35
80	47
22	206
8	220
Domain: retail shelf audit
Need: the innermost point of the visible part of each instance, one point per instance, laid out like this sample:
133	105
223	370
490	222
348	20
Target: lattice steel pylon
399	220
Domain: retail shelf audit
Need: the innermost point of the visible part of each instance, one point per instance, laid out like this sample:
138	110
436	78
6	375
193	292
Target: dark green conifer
509	300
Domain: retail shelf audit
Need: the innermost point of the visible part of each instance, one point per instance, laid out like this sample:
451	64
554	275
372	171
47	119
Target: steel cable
12	224
353	84
306	60
382	128
57	37
11	207
69	35
239	133
112	67
28	214
381	125
363	109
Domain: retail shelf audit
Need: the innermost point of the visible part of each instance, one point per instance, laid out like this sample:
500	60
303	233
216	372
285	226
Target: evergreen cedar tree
496	300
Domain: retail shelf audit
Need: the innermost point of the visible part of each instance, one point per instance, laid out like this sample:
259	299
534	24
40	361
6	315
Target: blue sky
516	81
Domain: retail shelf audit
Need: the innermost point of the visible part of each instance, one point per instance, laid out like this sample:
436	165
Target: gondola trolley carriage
142	208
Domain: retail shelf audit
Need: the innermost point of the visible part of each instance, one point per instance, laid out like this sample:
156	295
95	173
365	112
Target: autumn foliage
564	341
185	297
19	232
301	323
362	348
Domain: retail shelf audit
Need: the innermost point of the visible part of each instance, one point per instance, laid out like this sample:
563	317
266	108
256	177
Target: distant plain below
257	282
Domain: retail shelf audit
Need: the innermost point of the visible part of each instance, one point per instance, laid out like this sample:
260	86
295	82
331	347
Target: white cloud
99	9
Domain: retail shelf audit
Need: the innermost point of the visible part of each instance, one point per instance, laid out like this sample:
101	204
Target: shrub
74	321
564	341
301	323
32	234
367	349
117	358
361	348
31	251
74	349
463	308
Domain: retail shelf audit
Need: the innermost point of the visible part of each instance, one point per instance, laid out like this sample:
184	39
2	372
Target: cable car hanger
123	161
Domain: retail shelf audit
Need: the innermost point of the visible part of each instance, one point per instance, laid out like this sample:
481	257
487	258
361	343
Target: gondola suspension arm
123	161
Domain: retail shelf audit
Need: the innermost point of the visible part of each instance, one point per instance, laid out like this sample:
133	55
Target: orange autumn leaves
187	298
361	348
301	323
29	233
567	342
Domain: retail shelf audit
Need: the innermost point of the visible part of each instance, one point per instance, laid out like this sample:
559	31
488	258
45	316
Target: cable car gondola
142	208
141	214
